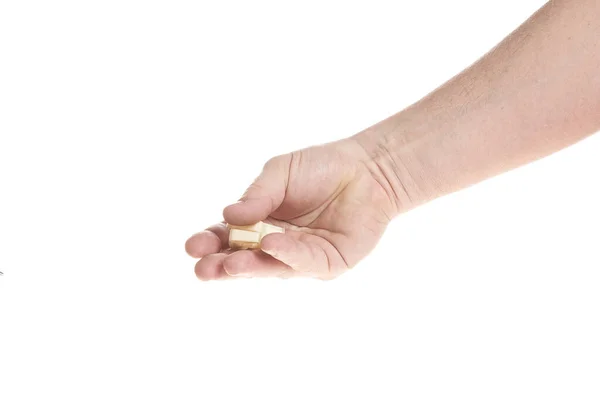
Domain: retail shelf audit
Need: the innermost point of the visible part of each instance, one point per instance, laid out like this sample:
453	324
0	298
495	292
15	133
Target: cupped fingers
305	253
210	267
212	240
255	264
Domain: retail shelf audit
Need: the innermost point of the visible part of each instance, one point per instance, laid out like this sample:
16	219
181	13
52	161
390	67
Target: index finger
212	240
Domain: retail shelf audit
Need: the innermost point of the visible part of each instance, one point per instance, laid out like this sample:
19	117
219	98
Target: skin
535	93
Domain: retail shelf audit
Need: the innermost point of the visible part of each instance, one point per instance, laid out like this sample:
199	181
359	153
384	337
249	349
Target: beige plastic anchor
250	236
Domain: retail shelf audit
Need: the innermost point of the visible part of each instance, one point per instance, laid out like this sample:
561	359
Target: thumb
263	196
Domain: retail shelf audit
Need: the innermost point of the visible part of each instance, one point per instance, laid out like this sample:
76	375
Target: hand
333	202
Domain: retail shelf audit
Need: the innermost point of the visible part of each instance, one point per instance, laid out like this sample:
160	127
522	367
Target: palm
334	211
333	197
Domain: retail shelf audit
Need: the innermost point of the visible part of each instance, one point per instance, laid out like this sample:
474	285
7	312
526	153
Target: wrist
393	153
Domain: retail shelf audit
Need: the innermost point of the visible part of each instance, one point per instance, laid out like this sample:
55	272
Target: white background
126	126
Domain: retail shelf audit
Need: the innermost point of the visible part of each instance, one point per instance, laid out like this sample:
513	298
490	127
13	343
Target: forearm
534	94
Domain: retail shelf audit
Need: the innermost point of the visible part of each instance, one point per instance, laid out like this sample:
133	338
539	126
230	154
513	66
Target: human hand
334	202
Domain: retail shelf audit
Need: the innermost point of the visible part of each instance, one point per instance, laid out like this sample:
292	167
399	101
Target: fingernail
234	272
270	252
